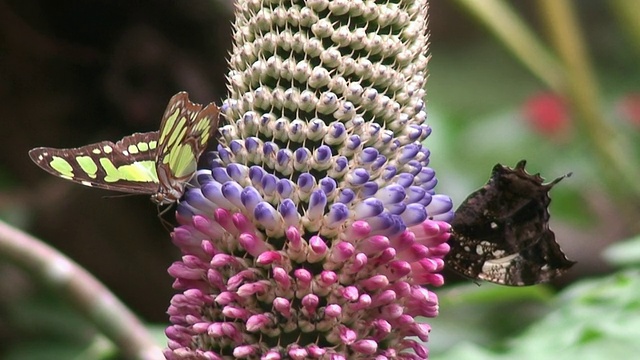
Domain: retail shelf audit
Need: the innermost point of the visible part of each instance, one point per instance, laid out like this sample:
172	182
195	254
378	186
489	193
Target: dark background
77	72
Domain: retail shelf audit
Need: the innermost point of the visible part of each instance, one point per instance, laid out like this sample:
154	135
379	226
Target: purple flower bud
358	177
236	147
194	198
368	208
345	112
336	133
408	152
415	194
391	194
405	180
414	214
338	213
368	155
251	144
225	155
301	156
353	142
386	137
316	129
327	185
203	176
285	188
346	196
268	184
440	204
255	174
386	224
284	157
322	155
340	167
414	167
317	203
306	182
267	216
370	188
379	162
212	191
388	173
269	148
289	212
396	209
237	172
220	175
231	191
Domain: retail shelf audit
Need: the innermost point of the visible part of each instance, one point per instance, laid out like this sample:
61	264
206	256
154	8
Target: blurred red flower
548	115
628	108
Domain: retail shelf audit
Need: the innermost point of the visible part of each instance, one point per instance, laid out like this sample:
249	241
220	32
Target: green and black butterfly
159	163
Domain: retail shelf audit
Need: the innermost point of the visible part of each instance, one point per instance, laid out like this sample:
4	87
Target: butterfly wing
127	166
501	234
158	163
539	262
184	133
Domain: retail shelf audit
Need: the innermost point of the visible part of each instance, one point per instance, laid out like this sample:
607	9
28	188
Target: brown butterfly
501	234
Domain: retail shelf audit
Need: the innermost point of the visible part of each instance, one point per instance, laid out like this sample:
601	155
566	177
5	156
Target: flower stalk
315	231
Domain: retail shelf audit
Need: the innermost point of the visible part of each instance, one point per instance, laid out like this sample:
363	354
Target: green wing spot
88	165
107	149
96	151
203	127
112	174
182	161
178	132
62	166
139	171
153	144
143	146
169	125
132	149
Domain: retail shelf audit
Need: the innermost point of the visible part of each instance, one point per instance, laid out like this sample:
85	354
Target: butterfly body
501	234
158	163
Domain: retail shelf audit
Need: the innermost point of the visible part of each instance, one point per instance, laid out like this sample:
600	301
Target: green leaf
472	313
593	319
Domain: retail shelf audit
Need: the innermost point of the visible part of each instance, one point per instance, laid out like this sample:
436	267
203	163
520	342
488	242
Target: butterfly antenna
557	180
119	196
